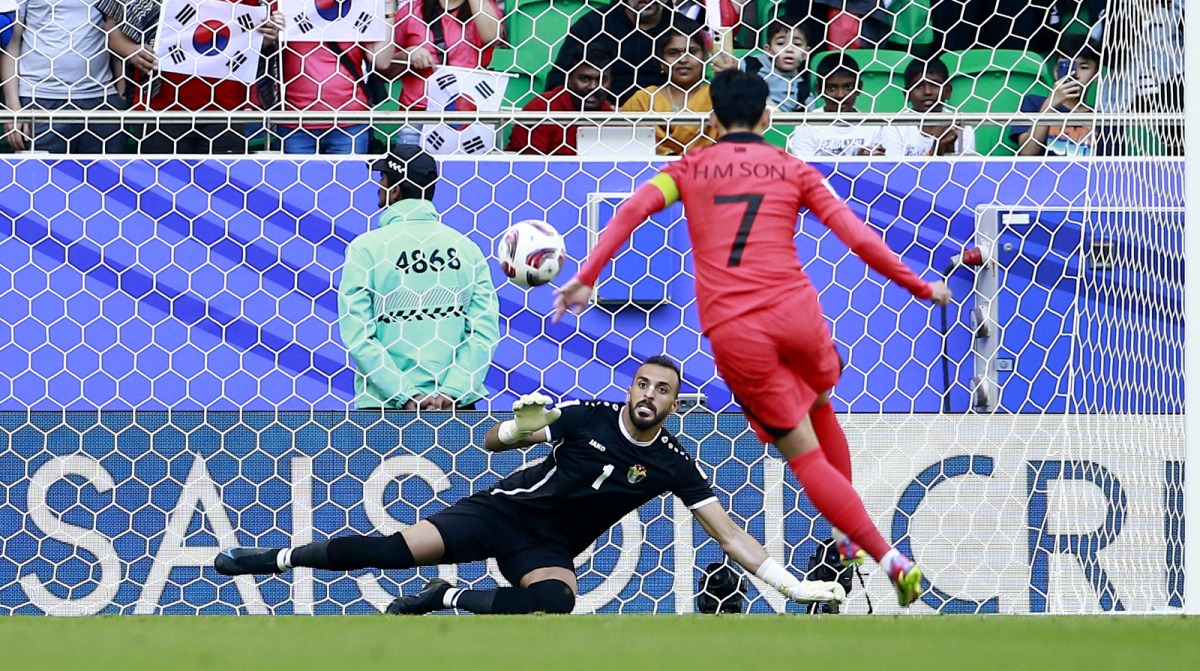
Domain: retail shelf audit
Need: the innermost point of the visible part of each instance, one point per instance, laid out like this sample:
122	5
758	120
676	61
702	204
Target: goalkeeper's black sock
349	553
547	596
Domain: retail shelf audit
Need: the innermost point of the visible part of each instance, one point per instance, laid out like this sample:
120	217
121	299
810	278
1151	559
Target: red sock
833	439
836	499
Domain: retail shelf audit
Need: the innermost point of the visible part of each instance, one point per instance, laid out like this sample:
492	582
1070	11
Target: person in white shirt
928	89
838	79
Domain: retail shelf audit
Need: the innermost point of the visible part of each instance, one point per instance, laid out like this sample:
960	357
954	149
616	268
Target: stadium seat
521	85
779	133
993	80
882	78
911	25
536	28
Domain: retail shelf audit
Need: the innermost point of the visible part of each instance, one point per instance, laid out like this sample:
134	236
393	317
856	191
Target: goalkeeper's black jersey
596	474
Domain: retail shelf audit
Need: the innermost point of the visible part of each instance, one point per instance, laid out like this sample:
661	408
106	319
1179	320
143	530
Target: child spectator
783	66
927	82
586	90
460	33
1077	65
838	78
331	77
57	59
132	26
683	57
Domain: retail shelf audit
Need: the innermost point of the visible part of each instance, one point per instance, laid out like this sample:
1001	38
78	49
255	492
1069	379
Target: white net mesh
175	375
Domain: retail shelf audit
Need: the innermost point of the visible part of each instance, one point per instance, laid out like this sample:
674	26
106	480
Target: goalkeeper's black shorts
479	527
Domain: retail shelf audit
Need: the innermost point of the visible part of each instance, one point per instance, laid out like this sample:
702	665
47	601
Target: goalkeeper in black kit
607	460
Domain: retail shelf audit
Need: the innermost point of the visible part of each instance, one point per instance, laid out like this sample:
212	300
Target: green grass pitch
618	643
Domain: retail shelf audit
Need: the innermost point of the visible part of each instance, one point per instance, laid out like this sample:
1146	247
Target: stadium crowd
898	57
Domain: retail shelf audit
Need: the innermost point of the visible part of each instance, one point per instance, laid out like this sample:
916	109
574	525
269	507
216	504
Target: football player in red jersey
763	319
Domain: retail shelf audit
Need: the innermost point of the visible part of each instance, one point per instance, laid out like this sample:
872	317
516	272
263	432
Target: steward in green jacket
416	303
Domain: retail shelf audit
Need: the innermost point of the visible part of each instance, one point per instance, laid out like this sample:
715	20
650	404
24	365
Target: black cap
408	163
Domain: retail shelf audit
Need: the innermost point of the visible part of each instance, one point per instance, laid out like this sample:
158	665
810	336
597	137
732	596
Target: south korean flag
210	38
452	88
334	20
462	89
476	138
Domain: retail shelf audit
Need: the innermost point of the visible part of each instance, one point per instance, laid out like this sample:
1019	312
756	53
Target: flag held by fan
452	88
334	20
210	38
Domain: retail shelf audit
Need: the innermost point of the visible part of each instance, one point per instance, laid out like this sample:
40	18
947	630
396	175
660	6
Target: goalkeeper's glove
807	591
530	415
816	591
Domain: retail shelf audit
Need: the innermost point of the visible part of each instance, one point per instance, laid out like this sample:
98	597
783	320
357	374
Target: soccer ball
531	252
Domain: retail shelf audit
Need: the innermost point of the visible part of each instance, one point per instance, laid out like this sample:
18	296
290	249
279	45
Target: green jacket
418	310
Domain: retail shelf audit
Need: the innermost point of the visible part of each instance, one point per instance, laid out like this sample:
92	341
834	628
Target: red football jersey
742	197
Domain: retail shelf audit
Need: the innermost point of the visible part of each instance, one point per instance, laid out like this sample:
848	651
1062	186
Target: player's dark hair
595	55
665	362
919	68
1080	47
693	39
838	63
738	98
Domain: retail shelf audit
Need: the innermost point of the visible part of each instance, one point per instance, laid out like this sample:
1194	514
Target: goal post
1191	597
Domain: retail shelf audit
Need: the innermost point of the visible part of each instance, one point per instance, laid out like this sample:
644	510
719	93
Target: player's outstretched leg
837	451
346	553
544	596
835	498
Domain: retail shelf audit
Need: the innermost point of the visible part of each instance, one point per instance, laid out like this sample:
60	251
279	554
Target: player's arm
864	242
649	198
752	556
531	416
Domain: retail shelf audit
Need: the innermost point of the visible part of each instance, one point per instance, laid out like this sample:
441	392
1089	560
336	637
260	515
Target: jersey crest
636	474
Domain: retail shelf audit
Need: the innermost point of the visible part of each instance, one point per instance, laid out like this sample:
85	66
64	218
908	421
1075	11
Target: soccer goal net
179	372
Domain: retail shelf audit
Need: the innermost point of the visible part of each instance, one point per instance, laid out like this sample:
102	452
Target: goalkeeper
607	460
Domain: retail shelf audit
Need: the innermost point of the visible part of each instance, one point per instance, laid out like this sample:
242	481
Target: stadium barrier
120	512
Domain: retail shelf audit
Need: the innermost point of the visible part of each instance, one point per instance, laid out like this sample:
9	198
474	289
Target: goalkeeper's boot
850	553
906	578
425	601
247	561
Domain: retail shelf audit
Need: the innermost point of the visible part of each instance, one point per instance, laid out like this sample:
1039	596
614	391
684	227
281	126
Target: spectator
927	82
417	308
57	59
783	66
586	90
331	77
132	27
628	29
461	33
731	17
1077	65
838	77
683	58
843	24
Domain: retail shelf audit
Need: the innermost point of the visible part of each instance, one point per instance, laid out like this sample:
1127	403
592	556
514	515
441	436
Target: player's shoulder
671	446
589	407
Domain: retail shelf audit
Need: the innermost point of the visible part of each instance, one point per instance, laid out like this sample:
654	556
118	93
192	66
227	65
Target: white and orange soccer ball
531	252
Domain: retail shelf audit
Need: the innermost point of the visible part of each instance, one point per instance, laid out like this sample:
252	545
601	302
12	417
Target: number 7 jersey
742	197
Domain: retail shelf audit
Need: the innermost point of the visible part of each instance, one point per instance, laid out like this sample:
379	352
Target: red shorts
777	362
